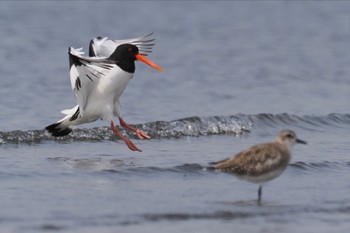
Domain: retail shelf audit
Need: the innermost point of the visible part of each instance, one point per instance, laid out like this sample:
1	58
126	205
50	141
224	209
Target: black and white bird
262	162
99	80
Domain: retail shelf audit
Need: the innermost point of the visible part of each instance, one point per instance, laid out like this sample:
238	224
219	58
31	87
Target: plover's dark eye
289	136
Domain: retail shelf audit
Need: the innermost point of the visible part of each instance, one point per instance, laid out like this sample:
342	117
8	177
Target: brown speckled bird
262	162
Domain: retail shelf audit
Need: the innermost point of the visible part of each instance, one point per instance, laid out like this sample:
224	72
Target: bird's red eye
130	49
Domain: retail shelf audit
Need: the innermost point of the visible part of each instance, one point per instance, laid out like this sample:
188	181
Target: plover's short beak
301	141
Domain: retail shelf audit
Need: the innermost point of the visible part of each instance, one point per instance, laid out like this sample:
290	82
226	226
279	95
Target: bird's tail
211	166
216	165
64	126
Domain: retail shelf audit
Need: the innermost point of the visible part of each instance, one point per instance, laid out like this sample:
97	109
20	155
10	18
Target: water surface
235	74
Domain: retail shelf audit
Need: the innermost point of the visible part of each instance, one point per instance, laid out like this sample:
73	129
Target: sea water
235	74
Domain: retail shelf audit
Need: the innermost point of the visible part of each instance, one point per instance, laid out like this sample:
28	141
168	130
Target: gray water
235	74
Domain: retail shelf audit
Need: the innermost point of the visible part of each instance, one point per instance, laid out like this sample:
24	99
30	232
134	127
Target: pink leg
129	143
139	133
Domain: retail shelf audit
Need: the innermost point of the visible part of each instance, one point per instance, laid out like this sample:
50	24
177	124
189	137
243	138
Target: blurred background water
235	73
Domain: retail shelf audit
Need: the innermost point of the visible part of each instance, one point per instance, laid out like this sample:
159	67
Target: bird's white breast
102	99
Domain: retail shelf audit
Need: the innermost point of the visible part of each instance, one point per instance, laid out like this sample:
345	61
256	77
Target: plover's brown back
258	164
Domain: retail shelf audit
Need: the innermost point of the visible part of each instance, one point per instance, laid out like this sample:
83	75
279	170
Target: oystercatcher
99	80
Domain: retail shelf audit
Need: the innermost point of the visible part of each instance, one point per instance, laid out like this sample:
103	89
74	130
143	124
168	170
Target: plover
262	162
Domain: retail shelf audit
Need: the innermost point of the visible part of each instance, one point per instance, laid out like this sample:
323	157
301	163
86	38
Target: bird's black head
124	56
126	52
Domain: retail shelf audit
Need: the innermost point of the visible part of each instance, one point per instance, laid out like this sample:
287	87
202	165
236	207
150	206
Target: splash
191	126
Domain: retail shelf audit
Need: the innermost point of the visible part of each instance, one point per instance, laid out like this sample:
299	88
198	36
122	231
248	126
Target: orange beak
148	62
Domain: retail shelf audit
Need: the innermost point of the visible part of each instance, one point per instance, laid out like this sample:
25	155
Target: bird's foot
131	145
127	141
142	135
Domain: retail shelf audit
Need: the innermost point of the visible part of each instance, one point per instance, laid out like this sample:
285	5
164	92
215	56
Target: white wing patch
69	113
85	73
103	47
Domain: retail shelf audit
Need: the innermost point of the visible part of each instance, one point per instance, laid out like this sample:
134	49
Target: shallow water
235	74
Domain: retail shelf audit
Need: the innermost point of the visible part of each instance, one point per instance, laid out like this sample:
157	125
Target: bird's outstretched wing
85	73
104	47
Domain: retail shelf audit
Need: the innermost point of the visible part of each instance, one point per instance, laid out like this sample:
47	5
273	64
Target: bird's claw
132	146
142	135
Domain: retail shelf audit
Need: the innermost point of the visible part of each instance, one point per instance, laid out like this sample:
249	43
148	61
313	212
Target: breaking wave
191	126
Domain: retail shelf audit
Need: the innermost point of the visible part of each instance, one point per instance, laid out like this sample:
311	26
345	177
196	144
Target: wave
123	166
268	209
310	122
128	167
191	126
321	166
